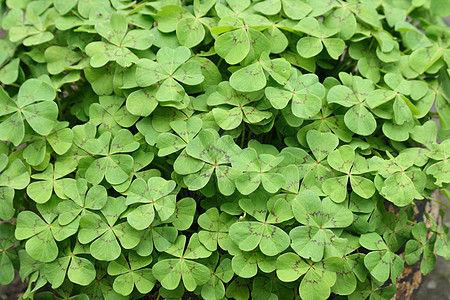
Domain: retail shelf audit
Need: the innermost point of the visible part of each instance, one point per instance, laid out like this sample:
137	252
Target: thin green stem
410	10
243	135
60	108
163	168
371	43
437	201
220	61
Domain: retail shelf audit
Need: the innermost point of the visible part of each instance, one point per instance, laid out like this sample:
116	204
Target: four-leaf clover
114	31
34	104
170	271
250	234
172	66
103	231
316	240
344	160
113	165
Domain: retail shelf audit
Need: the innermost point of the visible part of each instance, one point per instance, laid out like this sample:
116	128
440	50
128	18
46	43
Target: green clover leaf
59	139
9	70
381	262
358	118
258	169
238	39
290	267
8	254
41	233
366	13
314	172
119	40
34	104
156	194
104	231
221	273
235	107
238	288
110	114
319	277
403	108
172	66
141	159
51	179
60	58
246	264
169	143
305	91
34	30
215	228
132	273
158	235
113	166
345	161
270	286
190	29
320	36
352	271
81	200
207	154
183	217
79	270
170	271
415	247
271	239
293	9
315	240
398	187
441	169
252	78
344	19
12	177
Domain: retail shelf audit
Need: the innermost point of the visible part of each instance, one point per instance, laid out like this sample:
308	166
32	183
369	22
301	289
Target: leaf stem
243	135
437	201
371	43
220	61
410	10
163	168
60	108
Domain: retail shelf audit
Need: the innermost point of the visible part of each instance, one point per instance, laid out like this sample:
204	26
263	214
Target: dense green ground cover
238	149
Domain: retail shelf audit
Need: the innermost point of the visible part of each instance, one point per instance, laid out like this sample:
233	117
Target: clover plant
222	149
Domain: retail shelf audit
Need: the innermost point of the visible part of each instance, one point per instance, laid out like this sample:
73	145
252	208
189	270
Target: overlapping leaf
119	40
249	234
155	194
207	154
33	104
172	66
104	232
315	240
304	91
344	160
116	108
170	271
112	165
233	107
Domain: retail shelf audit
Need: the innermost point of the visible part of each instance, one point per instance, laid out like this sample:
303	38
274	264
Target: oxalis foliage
271	149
